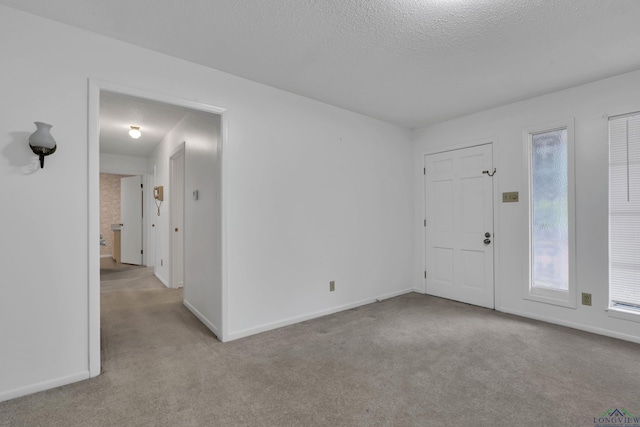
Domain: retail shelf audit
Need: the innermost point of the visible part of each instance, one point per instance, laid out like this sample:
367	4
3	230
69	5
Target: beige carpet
414	360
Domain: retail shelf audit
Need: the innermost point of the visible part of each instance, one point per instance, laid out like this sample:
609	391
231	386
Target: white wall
118	164
202	259
314	193
158	167
588	104
325	199
202	221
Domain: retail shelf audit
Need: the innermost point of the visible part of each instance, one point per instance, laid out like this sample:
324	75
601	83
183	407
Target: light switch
510	197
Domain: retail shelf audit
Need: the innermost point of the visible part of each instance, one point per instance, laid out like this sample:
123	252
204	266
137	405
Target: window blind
624	211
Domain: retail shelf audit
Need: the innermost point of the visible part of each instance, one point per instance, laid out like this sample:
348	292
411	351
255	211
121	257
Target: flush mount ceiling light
135	132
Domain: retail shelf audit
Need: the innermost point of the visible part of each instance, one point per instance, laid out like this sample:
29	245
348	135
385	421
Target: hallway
141	319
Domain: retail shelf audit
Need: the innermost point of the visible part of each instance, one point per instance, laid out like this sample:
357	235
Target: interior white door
131	220
177	219
459	225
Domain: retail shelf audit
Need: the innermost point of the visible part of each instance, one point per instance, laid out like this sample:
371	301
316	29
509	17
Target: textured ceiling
409	62
119	112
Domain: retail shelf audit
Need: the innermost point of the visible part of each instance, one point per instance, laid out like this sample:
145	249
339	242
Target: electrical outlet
332	286
586	299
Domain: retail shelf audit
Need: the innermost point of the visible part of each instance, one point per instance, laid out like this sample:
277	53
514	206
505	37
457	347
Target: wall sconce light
41	141
135	132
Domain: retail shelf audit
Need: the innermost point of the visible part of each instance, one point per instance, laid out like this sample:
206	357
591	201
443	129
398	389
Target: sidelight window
551	216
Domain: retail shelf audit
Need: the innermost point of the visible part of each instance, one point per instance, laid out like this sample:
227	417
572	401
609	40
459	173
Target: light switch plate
510	197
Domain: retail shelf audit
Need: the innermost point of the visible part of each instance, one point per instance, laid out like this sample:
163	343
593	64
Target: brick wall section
109	208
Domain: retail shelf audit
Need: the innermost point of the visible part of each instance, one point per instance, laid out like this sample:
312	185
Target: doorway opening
182	150
121	220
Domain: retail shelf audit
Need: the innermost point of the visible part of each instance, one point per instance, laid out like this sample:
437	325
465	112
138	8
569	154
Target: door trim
181	149
93	209
496	211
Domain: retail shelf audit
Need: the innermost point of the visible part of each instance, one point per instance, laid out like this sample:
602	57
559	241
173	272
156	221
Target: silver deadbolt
487	234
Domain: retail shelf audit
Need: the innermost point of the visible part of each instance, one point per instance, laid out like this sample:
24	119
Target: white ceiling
119	112
409	62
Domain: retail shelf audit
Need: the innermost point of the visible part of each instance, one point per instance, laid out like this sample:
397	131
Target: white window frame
550	296
614	311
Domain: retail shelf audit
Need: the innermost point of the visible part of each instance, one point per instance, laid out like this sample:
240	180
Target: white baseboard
579	326
203	319
166	285
45	385
397	294
106	256
292	320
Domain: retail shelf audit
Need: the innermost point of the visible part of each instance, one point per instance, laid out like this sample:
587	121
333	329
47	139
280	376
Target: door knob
487	241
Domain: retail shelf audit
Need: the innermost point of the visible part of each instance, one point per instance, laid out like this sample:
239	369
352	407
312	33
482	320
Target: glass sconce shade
41	141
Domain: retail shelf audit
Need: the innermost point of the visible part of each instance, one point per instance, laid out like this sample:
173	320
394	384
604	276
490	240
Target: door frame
146	180
180	149
95	86
496	206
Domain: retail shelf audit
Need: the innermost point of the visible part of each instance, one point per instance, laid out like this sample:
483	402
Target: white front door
459	216
131	220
